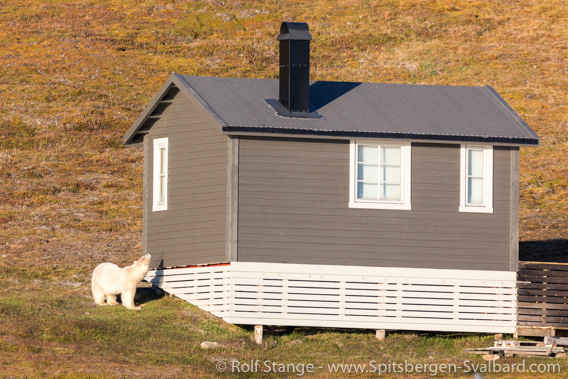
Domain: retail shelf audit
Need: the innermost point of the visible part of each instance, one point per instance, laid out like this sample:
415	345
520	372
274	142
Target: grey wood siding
293	208
192	230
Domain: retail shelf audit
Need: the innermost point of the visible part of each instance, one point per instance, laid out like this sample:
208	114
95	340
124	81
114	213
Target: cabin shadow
275	330
553	251
147	294
144	295
281	330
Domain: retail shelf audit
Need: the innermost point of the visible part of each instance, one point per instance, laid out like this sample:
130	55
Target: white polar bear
110	280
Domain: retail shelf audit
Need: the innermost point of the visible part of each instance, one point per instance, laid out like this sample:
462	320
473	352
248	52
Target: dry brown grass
75	74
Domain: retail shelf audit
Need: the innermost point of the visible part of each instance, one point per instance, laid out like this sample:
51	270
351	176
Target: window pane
368	173
475	163
390	154
390	192
391	174
162	160
475	190
368	154
161	198
367	191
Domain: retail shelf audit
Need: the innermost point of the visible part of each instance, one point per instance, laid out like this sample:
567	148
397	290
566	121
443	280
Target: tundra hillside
74	75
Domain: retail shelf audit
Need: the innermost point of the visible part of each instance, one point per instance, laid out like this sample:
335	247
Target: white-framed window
160	180
476	173
379	175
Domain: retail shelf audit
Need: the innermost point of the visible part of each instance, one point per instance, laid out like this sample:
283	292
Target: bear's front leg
128	299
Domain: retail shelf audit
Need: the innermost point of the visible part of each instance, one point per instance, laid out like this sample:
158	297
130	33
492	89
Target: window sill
378	205
159	207
472	209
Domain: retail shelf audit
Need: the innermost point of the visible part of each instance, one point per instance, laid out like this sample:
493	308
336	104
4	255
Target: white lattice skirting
348	296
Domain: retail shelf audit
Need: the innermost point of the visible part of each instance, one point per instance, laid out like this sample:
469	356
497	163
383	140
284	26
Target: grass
50	327
75	74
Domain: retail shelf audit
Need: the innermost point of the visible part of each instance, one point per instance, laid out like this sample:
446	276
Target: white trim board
349	296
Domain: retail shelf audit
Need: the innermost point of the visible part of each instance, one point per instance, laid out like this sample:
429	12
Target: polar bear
110	280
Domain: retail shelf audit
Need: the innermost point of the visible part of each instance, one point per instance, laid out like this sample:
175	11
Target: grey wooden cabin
289	171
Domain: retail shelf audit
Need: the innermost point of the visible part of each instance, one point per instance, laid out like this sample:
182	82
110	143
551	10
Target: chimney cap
294	31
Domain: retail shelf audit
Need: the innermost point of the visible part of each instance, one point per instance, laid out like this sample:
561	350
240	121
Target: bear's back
106	270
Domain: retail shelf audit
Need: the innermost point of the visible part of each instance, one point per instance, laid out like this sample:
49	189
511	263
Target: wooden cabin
336	204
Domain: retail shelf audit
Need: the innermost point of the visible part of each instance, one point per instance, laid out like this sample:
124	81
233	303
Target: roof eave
515	115
180	83
146	112
305	133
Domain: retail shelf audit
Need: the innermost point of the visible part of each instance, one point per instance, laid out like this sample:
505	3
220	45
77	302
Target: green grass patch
53	320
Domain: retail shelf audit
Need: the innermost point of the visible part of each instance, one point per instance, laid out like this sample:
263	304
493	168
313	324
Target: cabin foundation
377	298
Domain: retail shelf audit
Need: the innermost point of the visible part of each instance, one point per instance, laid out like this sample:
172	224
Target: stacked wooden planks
511	348
542	290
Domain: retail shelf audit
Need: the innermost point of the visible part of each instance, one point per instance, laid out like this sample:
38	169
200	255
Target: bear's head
144	261
141	266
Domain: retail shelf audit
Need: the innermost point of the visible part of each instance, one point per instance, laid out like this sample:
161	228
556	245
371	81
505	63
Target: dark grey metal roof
374	110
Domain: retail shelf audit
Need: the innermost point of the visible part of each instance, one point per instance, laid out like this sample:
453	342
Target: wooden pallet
511	348
558	341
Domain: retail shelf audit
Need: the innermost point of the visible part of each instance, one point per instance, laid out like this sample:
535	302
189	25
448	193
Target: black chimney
295	67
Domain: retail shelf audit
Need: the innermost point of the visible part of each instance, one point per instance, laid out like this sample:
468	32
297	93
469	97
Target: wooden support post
258	334
381	334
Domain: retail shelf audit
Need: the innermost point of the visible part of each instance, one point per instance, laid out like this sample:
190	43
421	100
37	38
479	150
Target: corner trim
145	193
514	210
232	198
